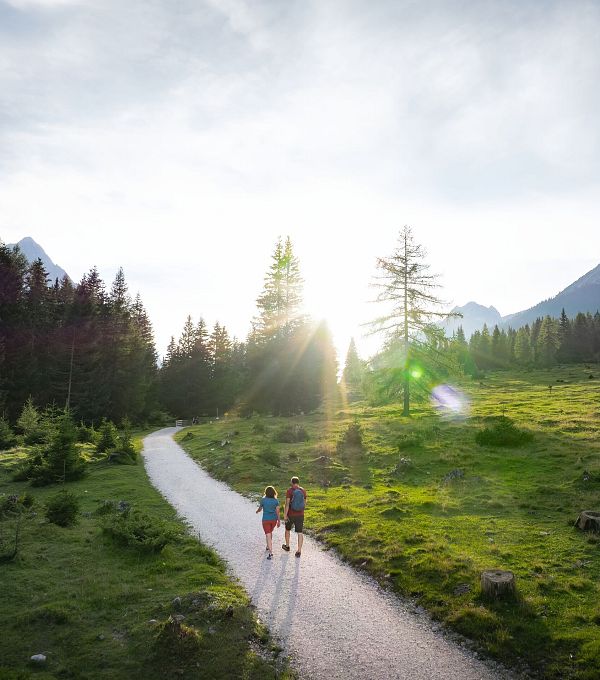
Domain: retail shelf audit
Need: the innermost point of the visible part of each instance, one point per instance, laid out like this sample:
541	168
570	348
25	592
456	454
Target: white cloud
182	141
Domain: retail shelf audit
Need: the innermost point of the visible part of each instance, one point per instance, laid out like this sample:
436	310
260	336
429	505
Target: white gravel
332	621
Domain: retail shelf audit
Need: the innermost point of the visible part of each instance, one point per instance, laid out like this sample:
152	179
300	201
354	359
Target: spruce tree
353	372
523	347
547	342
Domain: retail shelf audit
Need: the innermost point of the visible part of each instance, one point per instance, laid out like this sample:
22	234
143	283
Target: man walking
293	515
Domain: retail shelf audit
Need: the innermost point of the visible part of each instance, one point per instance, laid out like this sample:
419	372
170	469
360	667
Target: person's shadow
280	614
286	625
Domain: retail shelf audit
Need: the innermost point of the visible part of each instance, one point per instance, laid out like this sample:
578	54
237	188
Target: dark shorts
296	521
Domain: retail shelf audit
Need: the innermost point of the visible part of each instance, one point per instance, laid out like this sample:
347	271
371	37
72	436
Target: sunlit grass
425	509
88	603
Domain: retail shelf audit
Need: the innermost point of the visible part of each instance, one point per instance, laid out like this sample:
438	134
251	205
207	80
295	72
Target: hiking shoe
298	553
285	547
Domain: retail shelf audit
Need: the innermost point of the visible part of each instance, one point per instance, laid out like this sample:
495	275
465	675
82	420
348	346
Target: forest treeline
286	365
79	346
90	348
546	342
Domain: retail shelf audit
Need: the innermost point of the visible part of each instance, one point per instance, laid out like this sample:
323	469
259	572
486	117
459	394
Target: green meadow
100	608
424	508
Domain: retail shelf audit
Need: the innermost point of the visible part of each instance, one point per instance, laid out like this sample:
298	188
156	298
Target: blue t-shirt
268	505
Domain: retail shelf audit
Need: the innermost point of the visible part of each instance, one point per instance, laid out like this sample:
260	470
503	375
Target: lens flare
449	401
416	372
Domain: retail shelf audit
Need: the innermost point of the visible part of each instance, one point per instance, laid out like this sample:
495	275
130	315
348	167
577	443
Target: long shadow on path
332	621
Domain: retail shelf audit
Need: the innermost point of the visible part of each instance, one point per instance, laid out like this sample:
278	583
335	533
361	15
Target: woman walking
269	506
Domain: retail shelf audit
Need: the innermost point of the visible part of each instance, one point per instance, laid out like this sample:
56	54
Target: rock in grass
38	658
462	589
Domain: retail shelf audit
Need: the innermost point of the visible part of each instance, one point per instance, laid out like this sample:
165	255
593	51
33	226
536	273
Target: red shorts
269	525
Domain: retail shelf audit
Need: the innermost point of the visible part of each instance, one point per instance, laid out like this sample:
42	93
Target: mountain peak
33	251
592	278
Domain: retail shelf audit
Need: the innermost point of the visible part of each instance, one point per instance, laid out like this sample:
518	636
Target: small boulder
38	658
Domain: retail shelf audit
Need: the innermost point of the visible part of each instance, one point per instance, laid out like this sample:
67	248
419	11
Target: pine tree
547	342
523	354
280	302
353	372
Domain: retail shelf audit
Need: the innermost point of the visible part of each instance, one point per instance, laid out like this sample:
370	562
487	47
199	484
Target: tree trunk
497	584
588	521
406	407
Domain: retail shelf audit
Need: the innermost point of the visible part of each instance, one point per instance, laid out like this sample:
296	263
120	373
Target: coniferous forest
83	346
89	347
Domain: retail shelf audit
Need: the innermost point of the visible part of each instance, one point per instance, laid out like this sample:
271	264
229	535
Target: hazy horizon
180	150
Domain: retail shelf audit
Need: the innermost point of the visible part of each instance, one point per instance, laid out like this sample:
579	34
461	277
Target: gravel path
333	621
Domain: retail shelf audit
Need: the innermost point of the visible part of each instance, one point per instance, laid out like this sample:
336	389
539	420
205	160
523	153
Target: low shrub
58	461
86	435
62	509
351	442
124	451
271	456
503	432
31	424
109	506
291	434
107	437
7	436
15	503
177	643
138	530
409	440
259	427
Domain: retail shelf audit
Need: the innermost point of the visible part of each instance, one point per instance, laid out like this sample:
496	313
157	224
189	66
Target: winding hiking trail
332	621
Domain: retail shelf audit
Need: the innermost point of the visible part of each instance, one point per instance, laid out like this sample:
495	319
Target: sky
180	140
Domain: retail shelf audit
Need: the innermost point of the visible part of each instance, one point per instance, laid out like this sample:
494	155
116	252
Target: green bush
259	427
137	530
107	437
271	456
31	424
86	435
291	434
14	503
58	461
503	433
124	451
351	442
7	436
62	509
109	506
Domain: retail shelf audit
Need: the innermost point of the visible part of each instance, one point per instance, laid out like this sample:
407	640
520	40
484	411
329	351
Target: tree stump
588	520
497	584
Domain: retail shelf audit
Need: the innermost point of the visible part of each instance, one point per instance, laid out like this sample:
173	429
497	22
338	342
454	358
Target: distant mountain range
33	251
581	296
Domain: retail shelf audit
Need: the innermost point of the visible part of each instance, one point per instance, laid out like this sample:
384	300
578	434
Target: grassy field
98	609
425	509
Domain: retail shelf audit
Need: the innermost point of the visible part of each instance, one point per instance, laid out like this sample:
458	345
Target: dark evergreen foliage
546	343
74	346
63	509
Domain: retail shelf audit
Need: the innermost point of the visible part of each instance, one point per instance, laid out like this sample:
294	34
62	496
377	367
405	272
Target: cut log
588	520
497	584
